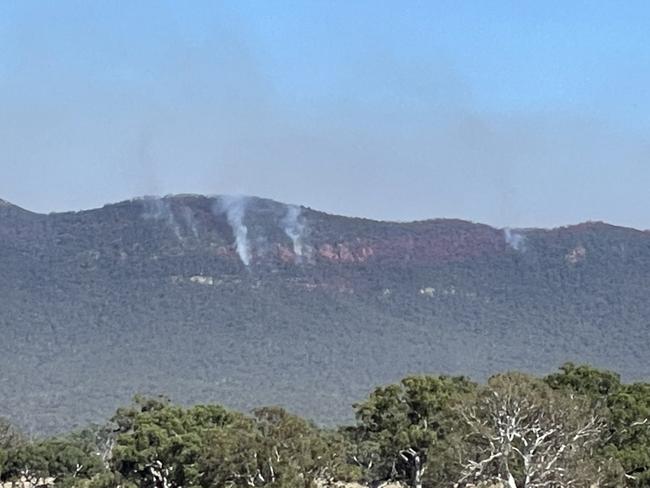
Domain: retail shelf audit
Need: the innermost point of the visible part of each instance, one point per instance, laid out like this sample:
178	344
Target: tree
159	445
411	427
523	434
585	380
627	411
630	432
66	460
289	440
362	454
274	449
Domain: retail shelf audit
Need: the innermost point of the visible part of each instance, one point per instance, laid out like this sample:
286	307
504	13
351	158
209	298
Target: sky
511	113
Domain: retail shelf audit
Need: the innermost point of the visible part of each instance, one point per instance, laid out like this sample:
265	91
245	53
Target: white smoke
160	209
235	208
294	227
190	223
514	239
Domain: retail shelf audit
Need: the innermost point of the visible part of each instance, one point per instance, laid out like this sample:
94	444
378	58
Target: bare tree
522	434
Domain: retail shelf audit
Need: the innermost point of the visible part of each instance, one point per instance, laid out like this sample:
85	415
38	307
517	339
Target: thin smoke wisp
294	227
190	223
158	208
514	239
235	208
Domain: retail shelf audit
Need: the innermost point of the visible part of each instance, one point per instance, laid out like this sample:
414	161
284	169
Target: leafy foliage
63	459
412	427
159	444
628	407
158	441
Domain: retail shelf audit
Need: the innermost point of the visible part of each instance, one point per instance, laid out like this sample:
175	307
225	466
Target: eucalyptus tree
523	434
627	407
409	431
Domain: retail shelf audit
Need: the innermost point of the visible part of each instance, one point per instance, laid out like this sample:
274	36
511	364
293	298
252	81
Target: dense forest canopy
152	296
579	427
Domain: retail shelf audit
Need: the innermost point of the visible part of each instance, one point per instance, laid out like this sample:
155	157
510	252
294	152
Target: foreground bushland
580	427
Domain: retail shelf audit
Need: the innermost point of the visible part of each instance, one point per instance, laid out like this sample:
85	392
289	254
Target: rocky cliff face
247	301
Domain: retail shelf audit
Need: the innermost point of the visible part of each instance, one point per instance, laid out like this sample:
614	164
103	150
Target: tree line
579	427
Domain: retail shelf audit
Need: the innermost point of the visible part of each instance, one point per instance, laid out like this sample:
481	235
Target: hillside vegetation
154	295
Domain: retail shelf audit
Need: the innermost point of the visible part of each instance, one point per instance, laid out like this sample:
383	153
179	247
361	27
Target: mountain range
246	302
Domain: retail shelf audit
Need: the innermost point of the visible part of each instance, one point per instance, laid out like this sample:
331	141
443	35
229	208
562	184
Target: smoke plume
190	223
514	239
235	208
293	227
160	209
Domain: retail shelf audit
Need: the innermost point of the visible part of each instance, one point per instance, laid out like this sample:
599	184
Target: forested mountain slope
246	301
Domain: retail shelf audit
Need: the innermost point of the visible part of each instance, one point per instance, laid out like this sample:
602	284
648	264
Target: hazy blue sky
512	113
